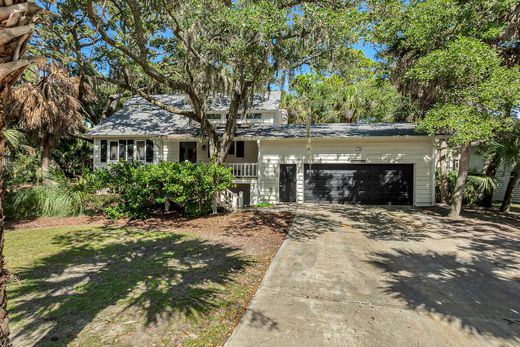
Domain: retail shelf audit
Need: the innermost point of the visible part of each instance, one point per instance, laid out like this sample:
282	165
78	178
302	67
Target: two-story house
274	161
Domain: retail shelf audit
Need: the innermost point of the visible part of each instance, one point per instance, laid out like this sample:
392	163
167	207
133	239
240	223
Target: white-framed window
126	149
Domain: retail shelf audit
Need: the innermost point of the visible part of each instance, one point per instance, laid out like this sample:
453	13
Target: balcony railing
244	169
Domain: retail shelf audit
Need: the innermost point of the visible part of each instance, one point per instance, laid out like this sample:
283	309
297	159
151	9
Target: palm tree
17	20
48	109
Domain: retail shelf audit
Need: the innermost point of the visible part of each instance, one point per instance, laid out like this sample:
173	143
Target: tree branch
142	63
150	99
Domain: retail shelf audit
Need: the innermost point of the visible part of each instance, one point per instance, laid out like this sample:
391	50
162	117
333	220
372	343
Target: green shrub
58	197
52	199
142	188
73	156
476	186
22	170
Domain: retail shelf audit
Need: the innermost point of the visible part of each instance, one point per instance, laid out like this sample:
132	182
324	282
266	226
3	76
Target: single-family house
274	161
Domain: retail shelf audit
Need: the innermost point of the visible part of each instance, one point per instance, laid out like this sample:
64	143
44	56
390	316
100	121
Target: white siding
399	150
502	178
477	163
171	151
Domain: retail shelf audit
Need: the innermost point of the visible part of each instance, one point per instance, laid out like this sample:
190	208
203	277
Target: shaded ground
380	276
143	283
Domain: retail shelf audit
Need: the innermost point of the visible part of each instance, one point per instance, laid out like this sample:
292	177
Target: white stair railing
244	169
229	200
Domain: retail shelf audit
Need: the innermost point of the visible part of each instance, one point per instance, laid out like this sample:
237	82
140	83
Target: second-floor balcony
244	170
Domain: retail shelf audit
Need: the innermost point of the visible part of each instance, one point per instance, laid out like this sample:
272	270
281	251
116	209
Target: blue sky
368	49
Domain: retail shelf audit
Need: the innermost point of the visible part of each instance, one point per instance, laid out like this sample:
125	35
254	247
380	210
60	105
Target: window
240	149
231	150
254	116
113	150
140	154
149	151
104	151
130	150
122	149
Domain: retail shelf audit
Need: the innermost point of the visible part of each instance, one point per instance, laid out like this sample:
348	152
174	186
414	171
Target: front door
188	151
287	183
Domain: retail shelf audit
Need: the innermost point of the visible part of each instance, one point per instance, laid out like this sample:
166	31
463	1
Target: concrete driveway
377	276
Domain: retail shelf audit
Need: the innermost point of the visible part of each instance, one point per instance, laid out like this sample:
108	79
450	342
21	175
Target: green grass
116	286
515	208
264	204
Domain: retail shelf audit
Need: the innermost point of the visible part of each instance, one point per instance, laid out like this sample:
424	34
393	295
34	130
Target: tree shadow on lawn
470	290
162	274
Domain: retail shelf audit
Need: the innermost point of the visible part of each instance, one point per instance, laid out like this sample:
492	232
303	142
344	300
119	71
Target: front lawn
117	285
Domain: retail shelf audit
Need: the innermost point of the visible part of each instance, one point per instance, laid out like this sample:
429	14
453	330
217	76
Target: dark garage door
359	183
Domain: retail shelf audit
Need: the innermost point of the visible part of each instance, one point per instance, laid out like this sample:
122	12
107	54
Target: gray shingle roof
139	118
267	102
329	130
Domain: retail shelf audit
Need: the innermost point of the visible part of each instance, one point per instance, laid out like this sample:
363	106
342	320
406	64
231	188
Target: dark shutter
149	151
240	149
130	150
104	151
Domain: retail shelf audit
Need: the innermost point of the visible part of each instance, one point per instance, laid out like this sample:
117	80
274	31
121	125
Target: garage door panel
359	183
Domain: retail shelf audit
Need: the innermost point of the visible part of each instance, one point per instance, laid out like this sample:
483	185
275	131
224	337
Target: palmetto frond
17	141
482	183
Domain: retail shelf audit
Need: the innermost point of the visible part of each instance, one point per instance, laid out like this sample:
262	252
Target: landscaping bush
142	188
476	185
57	197
22	170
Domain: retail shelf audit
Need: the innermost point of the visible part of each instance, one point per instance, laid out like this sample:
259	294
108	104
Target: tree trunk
17	23
46	156
508	196
239	93
443	172
458	191
490	171
110	106
4	274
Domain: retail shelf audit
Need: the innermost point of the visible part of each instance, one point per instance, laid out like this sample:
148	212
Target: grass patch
515	208
264	204
119	286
